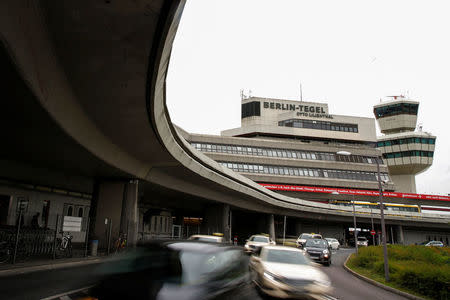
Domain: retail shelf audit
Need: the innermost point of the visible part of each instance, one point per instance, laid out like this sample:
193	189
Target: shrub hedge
424	270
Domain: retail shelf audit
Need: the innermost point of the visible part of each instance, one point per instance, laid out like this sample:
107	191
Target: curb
380	285
52	266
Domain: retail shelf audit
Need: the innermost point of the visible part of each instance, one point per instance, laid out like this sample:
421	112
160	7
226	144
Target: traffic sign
372	232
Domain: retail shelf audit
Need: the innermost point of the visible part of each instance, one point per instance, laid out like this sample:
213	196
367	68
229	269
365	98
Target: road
348	287
40	285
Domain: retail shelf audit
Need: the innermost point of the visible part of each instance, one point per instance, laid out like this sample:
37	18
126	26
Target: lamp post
383	229
355	232
373	229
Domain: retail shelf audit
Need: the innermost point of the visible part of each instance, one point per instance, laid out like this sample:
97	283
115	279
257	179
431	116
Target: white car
334	243
255	242
306	236
362	241
286	272
207	238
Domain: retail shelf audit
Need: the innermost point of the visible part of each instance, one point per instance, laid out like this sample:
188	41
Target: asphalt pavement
348	287
47	283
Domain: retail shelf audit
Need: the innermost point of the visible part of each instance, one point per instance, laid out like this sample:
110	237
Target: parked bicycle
7	252
121	243
64	245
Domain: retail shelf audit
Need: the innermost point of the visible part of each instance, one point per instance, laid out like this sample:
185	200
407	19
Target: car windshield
362	239
305	236
331	240
285	257
317	243
261	239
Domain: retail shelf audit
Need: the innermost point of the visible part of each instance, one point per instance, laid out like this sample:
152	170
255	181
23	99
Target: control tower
406	151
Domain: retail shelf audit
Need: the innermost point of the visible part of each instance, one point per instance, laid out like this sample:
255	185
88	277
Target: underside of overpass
84	110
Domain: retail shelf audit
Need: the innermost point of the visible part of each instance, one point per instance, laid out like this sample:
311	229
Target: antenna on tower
420	127
301	93
249	93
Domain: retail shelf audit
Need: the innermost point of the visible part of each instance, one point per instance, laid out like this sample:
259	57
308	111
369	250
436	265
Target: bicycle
5	252
64	245
120	243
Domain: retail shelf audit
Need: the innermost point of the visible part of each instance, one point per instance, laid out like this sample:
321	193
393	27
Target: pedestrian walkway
47	264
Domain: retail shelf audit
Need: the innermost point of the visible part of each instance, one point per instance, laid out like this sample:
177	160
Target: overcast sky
348	54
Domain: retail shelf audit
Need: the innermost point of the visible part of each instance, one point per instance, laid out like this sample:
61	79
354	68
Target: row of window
284	153
412	140
322	125
306	172
377	206
408	154
396	109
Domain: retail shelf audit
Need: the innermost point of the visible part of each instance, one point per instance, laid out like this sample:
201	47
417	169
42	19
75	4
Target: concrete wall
35	204
417	236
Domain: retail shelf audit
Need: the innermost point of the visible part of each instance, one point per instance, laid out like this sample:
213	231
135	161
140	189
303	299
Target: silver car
286	272
255	242
334	243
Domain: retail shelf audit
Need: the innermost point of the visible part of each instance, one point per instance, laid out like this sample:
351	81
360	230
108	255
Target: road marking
64	296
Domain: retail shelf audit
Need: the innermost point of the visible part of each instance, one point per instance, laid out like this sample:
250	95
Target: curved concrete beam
99	69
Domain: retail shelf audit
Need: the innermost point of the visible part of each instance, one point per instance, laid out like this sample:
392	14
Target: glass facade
283	153
412	140
408	154
396	109
322	125
303	172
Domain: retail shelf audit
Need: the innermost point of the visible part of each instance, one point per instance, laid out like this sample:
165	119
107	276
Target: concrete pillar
400	237
392	235
115	201
218	219
272	227
298	228
226	217
129	215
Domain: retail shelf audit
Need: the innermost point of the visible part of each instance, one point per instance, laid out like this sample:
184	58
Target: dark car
318	250
176	270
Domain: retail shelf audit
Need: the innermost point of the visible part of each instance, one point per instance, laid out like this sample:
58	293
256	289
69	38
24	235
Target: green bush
424	270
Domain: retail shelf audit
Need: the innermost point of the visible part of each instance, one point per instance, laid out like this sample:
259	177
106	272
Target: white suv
362	241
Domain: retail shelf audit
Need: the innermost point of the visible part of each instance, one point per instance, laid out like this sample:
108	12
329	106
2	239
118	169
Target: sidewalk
48	264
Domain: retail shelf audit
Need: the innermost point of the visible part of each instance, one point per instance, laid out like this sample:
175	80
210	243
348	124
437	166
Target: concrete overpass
84	108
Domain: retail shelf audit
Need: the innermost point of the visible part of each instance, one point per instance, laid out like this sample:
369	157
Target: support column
401	239
116	202
272	227
226	217
129	214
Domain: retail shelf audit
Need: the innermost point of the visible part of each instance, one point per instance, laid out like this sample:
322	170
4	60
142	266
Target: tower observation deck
406	151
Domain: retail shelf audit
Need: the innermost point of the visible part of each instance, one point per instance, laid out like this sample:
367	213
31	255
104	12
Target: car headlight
246	246
325	251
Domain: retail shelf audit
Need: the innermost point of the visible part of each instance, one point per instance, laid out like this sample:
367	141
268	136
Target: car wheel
328	263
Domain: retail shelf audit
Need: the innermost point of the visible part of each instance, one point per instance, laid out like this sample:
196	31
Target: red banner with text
315	189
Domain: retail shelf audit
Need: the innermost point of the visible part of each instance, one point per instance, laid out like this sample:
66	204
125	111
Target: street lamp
383	229
355	232
354	220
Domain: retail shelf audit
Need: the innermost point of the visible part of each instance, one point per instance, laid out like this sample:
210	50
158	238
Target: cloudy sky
348	54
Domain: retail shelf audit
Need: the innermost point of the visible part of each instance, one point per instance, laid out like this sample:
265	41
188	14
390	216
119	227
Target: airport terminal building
284	142
302	150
